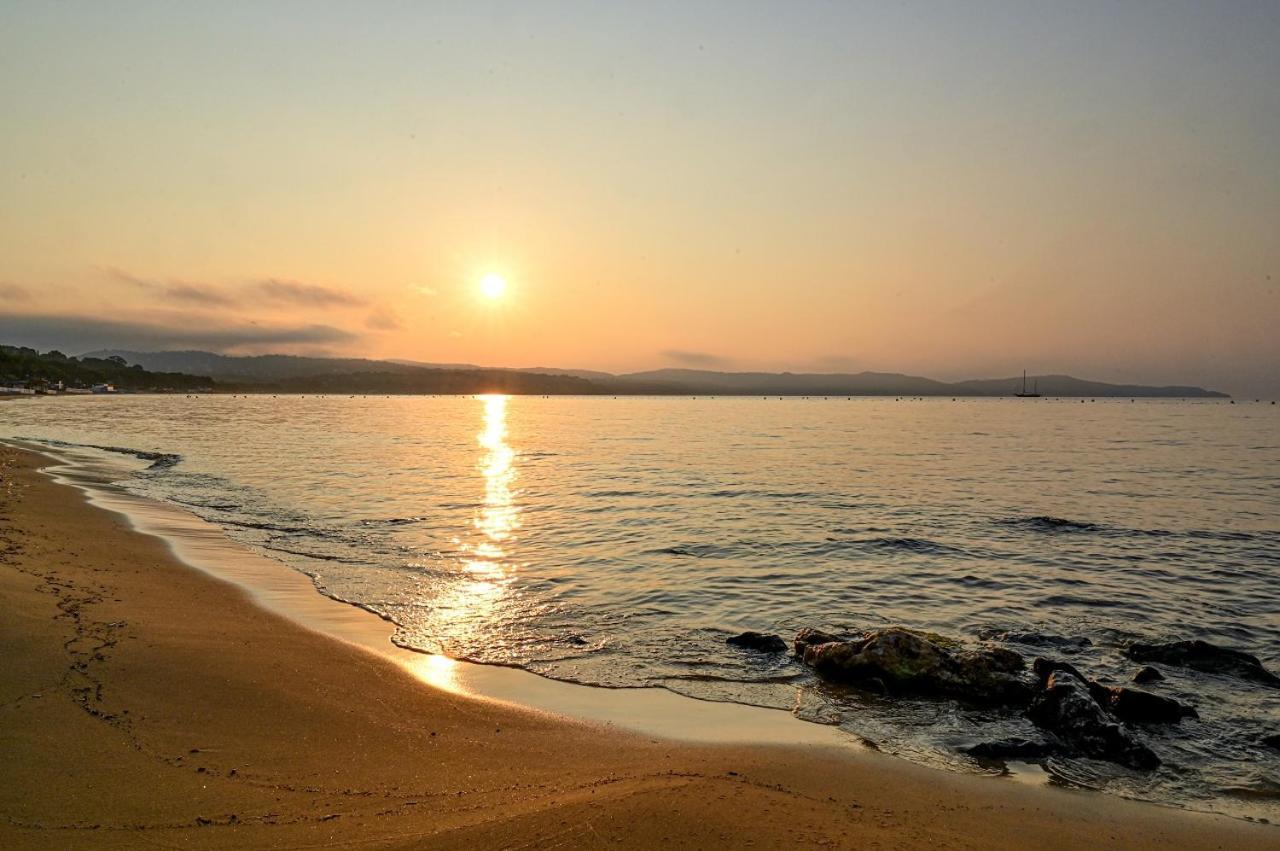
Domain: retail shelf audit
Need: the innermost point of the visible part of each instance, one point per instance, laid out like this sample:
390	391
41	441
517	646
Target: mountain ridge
341	375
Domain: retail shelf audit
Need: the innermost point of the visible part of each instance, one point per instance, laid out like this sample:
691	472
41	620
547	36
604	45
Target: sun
493	286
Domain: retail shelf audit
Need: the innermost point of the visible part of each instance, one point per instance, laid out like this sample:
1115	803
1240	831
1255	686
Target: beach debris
1014	748
907	661
1148	674
1067	708
761	641
1203	656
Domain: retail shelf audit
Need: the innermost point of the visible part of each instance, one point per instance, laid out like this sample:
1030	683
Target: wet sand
144	703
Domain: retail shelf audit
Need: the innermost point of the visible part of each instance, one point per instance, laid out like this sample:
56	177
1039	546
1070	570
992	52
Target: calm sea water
617	542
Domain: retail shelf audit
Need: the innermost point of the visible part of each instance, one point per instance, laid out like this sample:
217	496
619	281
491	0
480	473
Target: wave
159	460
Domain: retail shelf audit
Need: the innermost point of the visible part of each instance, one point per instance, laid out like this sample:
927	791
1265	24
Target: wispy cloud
85	333
699	359
426	291
382	319
311	295
13	292
182	292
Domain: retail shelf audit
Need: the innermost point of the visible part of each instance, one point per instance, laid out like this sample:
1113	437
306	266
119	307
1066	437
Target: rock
1014	748
763	642
1272	741
1066	708
1148	674
1140	707
907	661
1042	668
1203	656
1065	643
807	637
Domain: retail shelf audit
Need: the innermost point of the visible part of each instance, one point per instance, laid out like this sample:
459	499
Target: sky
955	190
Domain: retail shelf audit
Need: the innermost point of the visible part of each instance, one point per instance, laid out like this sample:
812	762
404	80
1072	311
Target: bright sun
492	286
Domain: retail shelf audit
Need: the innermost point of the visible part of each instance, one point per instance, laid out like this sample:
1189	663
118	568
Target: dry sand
145	704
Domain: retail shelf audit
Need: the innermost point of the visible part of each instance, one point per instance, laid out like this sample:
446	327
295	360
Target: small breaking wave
159	460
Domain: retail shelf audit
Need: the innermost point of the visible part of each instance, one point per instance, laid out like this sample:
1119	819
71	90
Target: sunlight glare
493	286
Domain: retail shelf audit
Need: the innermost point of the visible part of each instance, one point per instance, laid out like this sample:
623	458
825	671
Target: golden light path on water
485	559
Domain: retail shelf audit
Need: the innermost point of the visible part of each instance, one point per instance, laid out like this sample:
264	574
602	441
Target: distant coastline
291	374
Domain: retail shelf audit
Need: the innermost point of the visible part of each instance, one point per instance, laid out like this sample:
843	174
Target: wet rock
1203	656
763	642
1014	748
1042	668
1272	741
807	638
1140	707
1148	674
1066	643
1066	708
907	661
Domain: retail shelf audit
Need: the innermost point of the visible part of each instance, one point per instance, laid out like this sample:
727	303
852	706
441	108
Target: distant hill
288	373
793	384
253	368
1065	385
22	366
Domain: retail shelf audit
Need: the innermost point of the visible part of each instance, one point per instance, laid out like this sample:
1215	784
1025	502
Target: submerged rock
1066	643
1203	656
1140	707
1148	674
761	641
1067	708
902	660
1014	748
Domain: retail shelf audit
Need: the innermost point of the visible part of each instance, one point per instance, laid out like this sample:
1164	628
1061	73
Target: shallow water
618	542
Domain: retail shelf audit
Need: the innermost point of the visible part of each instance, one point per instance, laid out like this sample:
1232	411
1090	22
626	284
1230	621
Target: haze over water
618	542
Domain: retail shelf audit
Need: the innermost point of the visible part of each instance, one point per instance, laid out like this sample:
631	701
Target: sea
617	542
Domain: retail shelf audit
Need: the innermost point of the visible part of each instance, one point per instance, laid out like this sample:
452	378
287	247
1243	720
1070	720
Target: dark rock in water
1127	704
1014	748
764	642
1140	707
1148	674
1066	708
1203	656
1066	643
908	661
1272	741
807	638
1042	668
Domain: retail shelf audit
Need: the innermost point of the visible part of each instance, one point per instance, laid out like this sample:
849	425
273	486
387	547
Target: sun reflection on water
469	606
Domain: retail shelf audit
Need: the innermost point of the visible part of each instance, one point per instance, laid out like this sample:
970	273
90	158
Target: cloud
72	333
426	291
700	359
311	295
183	292
382	319
13	292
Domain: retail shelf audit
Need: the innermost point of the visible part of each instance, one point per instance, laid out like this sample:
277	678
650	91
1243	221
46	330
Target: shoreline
205	547
144	696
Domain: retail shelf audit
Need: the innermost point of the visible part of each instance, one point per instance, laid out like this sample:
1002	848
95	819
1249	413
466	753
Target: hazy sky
952	189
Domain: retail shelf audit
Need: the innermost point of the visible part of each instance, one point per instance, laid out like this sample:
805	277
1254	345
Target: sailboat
1023	394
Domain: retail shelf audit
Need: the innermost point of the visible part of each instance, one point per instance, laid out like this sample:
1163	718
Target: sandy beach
143	703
